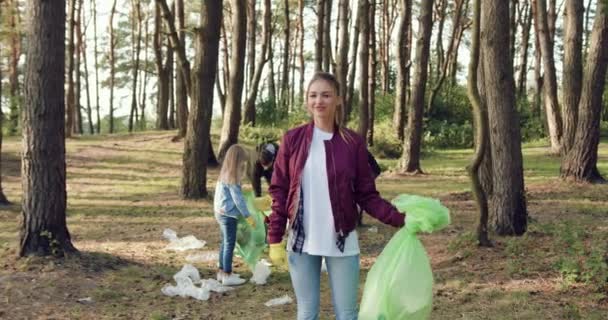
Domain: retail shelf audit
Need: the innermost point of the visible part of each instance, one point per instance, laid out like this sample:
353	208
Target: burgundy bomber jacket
349	178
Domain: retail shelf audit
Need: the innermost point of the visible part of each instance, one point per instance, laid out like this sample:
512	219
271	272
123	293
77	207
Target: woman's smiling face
322	99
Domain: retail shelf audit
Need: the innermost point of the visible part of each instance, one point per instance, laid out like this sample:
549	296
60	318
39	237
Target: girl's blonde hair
234	164
339	115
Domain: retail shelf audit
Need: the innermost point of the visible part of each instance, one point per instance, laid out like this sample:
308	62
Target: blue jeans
305	272
228	239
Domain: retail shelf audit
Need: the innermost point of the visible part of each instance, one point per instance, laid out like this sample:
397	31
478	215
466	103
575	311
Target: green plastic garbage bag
251	242
399	285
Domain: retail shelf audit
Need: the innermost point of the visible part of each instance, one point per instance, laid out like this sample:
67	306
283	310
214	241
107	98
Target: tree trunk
402	54
301	53
251	37
89	109
181	92
554	120
262	58
3	200
372	72
136	38
538	77
410	160
342	55
512	26
143	99
15	97
319	35
580	163
197	144
112	66
353	67
525	42
573	69
327	58
508	198
77	87
440	14
70	103
44	229
162	100
285	72
364	73
234	92
94	14
481	131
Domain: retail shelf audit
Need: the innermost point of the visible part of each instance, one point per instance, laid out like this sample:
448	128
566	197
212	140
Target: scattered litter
86	300
373	229
186	279
261	272
181	244
279	301
206	256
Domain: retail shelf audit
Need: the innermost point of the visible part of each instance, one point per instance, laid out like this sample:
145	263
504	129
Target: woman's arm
279	190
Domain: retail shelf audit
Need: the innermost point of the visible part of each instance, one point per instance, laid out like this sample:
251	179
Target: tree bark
301	45
70	103
573	69
89	108
403	50
554	120
15	98
364	73
136	48
319	35
372	72
44	229
262	58
112	66
3	200
580	163
342	55
525	43
538	76
234	92
410	160
197	143
327	58
284	102
508	198
162	100
94	14
77	83
353	67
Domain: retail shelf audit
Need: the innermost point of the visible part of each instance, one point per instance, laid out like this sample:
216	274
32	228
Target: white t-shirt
318	216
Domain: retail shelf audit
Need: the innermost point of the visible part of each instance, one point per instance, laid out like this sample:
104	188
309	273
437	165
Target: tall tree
83	49
580	163
554	120
350	90
162	100
480	117
95	54
573	69
136	23
301	46
410	160
403	50
15	97
538	76
372	72
181	92
71	100
77	82
327	58
259	67
3	200
343	43
44	229
232	114
525	43
285	72
112	61
364	73
508	197
319	38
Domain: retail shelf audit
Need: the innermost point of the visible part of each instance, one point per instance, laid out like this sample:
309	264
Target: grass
122	194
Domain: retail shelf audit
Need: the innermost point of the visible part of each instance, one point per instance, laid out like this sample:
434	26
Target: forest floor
123	192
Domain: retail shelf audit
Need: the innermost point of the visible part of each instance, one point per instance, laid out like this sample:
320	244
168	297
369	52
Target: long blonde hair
339	115
234	164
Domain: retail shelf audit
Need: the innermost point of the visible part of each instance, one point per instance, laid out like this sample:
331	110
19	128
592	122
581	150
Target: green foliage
442	134
257	135
451	105
385	107
386	144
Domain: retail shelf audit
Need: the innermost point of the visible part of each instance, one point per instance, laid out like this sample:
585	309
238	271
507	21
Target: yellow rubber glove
251	221
278	254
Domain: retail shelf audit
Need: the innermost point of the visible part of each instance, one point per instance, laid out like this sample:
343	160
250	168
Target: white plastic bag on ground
261	272
181	244
279	301
186	279
206	256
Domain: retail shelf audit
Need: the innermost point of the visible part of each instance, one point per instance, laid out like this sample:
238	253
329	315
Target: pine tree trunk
44	230
197	143
70	99
410	160
15	97
181	92
112	66
3	200
364	73
353	67
301	45
327	58
234	92
372	73
508	198
525	43
402	55
94	14
319	35
342	54
77	83
581	161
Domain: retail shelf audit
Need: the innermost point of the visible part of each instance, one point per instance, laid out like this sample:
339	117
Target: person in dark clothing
266	153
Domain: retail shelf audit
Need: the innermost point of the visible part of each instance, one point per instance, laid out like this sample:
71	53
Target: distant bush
386	143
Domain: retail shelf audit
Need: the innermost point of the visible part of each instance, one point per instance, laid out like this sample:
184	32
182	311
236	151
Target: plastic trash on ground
206	256
251	242
186	280
261	272
278	301
181	244
400	283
